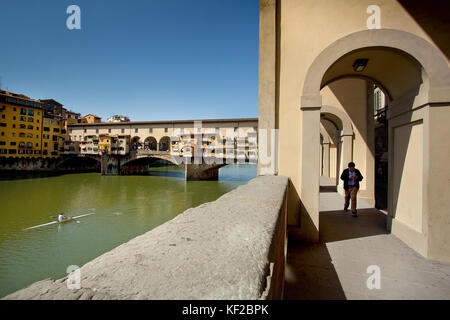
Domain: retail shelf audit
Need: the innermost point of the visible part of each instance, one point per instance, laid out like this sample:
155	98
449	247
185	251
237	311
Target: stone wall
231	248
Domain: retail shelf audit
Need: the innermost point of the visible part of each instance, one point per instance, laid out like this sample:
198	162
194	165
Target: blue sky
149	60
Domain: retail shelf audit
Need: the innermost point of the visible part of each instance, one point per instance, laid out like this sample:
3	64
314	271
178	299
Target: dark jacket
344	176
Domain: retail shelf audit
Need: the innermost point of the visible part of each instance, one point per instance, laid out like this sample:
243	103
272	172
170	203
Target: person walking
351	177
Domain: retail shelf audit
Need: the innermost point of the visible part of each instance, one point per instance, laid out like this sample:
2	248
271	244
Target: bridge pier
203	171
110	164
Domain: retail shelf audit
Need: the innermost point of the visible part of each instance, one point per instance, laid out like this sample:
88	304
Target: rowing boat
64	221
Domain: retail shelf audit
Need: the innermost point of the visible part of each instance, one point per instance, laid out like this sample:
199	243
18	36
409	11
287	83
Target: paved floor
336	268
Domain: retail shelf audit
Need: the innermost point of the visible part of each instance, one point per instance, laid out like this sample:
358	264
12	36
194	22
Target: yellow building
20	126
92	118
53	136
105	143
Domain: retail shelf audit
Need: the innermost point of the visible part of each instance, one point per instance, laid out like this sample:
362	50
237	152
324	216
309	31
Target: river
124	207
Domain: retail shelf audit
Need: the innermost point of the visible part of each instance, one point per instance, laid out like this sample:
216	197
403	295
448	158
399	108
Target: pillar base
201	172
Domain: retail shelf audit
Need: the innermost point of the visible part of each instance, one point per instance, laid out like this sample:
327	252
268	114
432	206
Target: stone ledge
218	250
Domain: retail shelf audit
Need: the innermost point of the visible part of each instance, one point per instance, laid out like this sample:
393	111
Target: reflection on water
124	207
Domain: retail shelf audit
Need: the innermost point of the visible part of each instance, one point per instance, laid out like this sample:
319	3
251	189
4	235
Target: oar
54	222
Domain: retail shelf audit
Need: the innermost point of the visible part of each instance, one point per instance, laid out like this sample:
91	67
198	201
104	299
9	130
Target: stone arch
343	142
150	143
164	144
135	142
433	62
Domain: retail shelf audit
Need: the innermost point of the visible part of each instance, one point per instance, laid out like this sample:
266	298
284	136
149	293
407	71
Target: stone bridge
137	162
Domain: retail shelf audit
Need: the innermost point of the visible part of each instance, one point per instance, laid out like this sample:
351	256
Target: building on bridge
222	137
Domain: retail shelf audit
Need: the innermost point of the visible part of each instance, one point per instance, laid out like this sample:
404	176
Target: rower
61	217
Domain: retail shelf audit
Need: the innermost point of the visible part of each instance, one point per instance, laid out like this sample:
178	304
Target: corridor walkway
336	267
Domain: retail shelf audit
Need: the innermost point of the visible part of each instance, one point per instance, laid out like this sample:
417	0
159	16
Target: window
3	133
22	118
2	124
14	125
55	138
166	129
150	130
30	112
30	127
14	118
22	135
13	143
2	151
37	151
45	144
122	130
2	143
30	135
12	151
29	145
136	130
46	136
96	130
47	121
55	130
13	101
22	126
29	103
84	130
46	129
109	130
23	111
3	116
30	119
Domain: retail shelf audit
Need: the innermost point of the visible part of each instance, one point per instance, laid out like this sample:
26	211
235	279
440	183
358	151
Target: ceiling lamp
360	64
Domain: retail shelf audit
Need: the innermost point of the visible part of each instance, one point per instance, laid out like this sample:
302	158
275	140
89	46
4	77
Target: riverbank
231	248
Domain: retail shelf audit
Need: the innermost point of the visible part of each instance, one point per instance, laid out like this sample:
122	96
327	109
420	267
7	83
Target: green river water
124	207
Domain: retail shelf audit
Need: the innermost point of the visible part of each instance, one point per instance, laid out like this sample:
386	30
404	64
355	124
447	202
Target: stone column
436	181
326	159
267	79
310	180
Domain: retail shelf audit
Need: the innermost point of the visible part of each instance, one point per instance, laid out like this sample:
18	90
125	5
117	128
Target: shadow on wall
431	16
